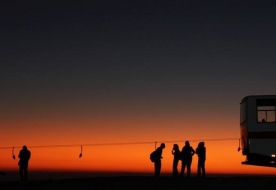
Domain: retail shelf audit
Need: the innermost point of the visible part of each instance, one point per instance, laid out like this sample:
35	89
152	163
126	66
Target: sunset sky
104	71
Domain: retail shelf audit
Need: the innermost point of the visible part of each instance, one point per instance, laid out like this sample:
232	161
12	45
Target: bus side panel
265	147
244	140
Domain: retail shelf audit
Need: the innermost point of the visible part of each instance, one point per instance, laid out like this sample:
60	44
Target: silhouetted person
157	163
176	157
187	157
24	157
201	153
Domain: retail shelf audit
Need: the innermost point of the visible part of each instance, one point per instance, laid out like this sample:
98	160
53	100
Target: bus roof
258	96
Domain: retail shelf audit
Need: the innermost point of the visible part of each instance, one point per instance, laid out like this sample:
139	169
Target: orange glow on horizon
222	156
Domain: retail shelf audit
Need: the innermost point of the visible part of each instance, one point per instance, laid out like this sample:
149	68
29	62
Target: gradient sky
104	71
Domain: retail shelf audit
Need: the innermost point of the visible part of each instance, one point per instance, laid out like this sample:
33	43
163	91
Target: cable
123	143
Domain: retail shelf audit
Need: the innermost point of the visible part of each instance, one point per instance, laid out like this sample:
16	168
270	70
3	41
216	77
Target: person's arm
193	151
173	152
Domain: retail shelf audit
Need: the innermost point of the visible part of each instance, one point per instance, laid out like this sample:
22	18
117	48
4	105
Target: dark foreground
128	183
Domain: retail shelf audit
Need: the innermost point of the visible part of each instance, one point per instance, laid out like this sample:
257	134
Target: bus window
271	116
266	114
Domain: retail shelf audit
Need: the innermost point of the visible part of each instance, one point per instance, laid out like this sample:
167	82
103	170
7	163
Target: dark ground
134	182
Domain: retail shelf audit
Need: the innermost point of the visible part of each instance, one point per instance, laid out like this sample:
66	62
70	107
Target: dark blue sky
173	53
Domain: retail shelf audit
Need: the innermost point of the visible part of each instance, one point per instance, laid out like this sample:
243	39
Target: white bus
258	130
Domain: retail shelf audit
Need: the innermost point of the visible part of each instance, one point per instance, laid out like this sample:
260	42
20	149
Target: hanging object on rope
80	152
13	156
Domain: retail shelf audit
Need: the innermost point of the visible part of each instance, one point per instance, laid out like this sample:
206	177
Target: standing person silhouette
201	153
187	157
176	157
157	163
24	157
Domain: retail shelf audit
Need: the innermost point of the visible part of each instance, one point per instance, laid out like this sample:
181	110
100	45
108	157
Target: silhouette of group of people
185	156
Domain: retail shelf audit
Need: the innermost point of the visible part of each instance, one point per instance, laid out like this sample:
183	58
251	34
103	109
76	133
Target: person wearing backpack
157	162
187	157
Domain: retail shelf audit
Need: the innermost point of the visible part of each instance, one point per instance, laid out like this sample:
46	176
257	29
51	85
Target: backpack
153	156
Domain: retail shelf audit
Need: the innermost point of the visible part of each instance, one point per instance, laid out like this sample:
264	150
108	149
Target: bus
258	130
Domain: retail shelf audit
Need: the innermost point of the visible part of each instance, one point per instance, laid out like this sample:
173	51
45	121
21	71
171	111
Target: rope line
123	143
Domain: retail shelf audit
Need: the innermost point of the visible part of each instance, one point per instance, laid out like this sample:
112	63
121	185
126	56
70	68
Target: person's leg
198	169
157	168
182	168
175	173
21	173
189	168
160	166
26	173
203	169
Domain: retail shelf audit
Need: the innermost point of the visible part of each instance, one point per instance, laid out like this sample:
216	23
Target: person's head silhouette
175	147
187	143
